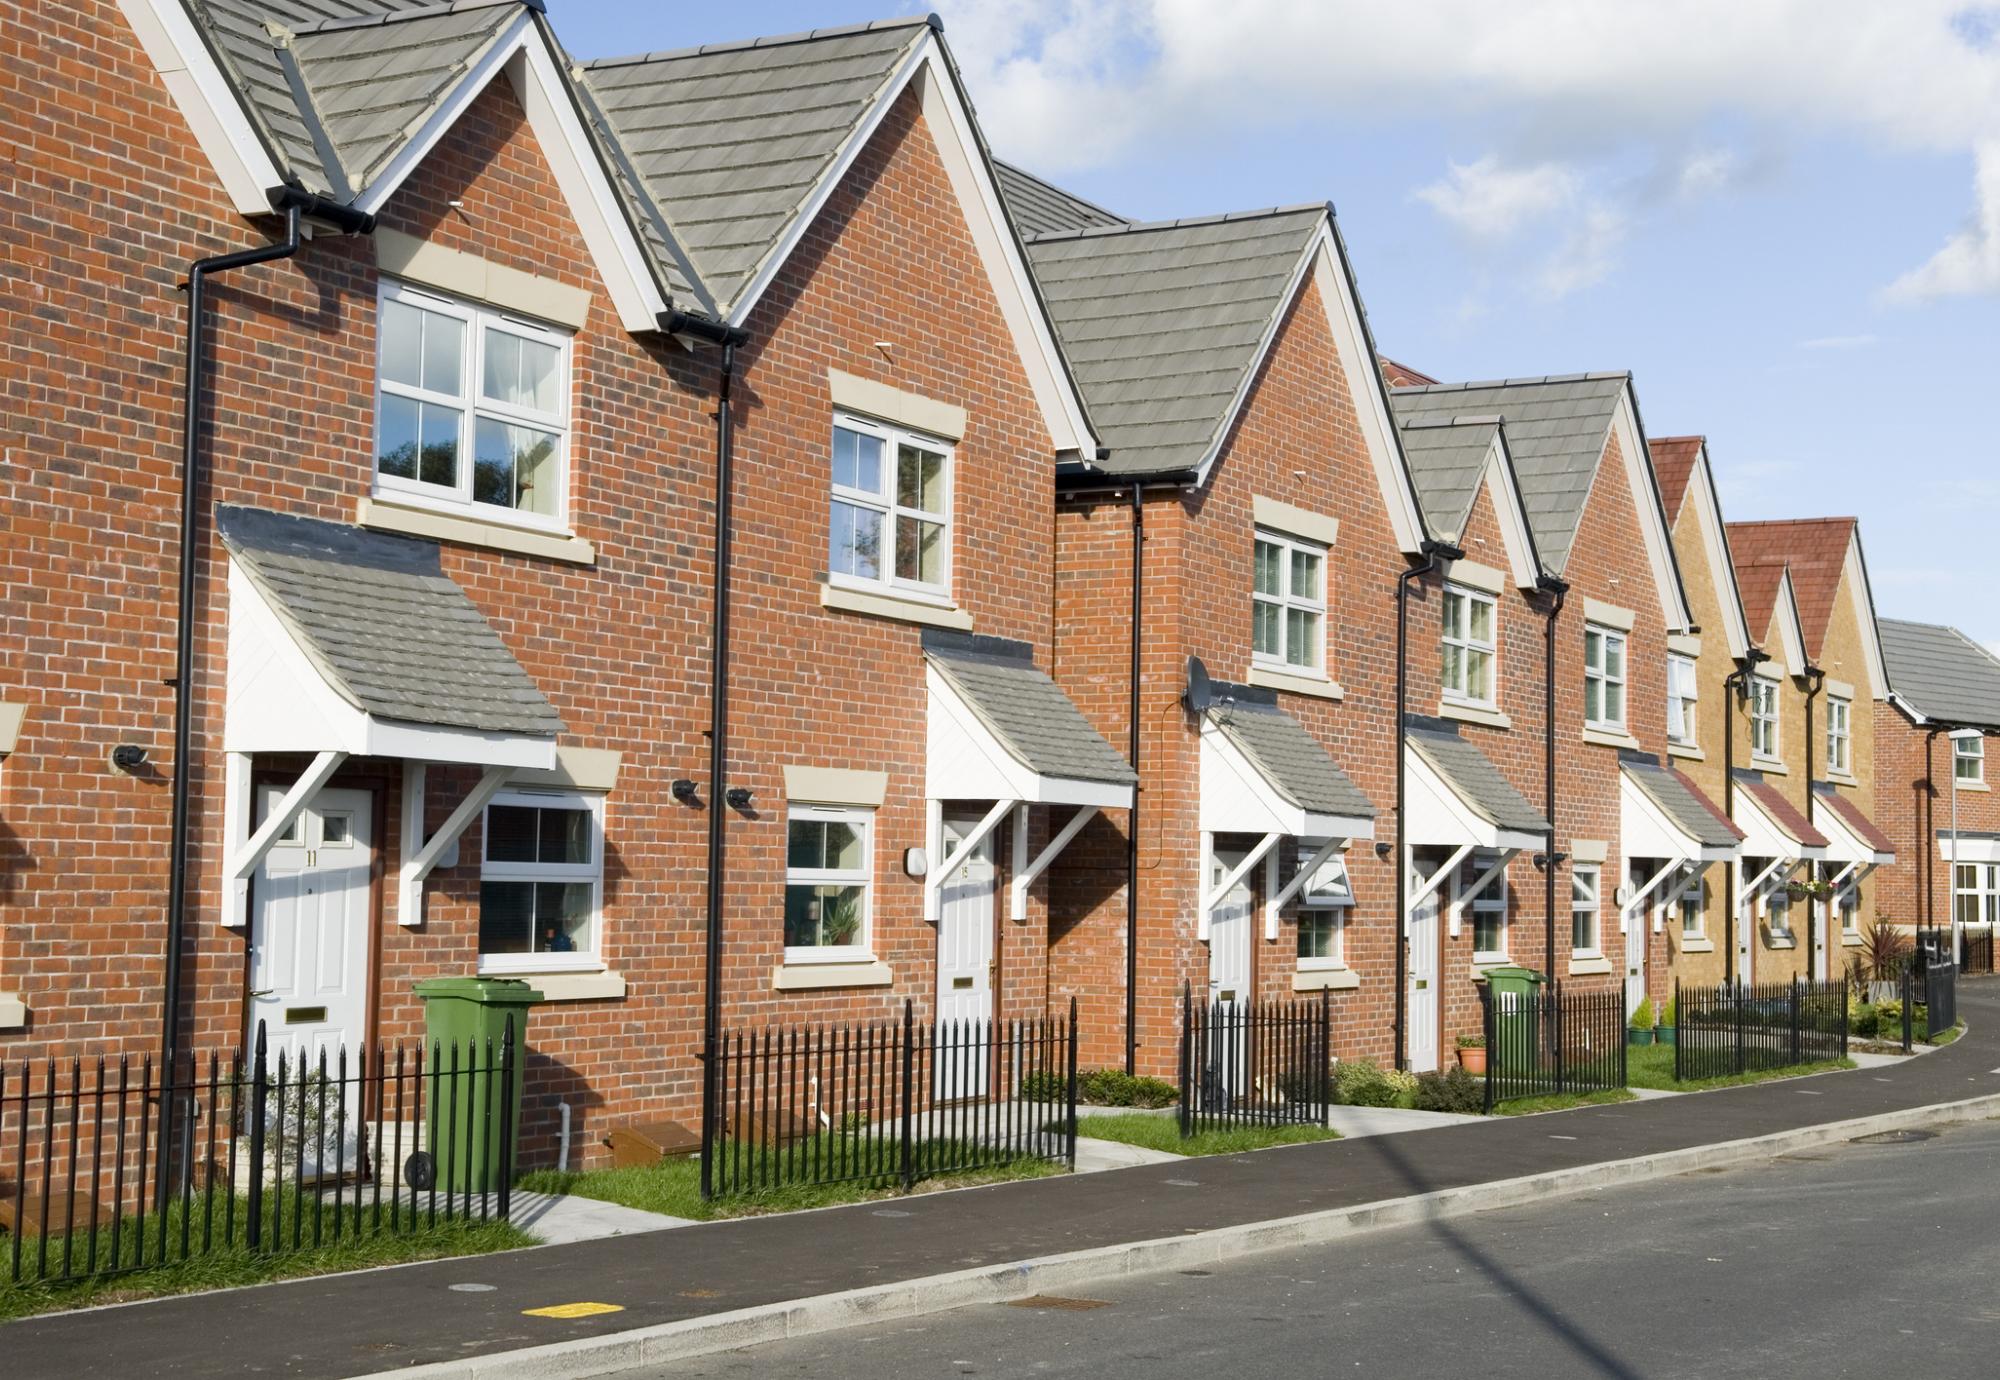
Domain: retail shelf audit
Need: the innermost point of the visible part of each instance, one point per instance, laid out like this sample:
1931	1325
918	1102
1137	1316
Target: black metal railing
1977	952
268	1155
1551	1041
1933	986
891	1102
1255	1063
1735	1029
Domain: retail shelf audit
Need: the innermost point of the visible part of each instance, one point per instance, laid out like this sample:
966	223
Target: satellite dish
1198	696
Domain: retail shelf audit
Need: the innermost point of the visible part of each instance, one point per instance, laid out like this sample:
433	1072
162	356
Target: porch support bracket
418	861
947	867
1281	895
238	811
1024	875
1210	899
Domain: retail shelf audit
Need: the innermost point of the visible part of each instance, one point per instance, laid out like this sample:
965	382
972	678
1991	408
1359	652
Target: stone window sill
1320	687
1770	766
559	987
1841	778
806	977
1584	966
1473	714
1973	786
1610	737
1691	944
872	605
1851	941
1325	979
383	514
13	1012
1686	751
1780	941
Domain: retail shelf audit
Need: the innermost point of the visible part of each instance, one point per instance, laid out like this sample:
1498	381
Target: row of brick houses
1100	615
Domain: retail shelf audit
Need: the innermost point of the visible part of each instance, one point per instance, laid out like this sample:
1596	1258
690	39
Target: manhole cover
889	1212
1895	1138
1058	1302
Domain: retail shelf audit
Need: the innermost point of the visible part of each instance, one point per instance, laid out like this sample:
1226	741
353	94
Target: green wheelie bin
1516	1033
467	1017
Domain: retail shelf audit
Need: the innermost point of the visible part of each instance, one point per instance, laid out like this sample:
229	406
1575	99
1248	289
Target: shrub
1642	1014
1864	1021
1454	1090
1363	1083
1670	1015
1889	951
1472	1042
1102	1087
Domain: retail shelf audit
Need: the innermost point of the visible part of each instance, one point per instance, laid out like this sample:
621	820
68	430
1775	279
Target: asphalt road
1857	1260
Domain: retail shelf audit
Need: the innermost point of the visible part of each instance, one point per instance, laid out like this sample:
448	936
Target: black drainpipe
728	337
1559	590
1736	681
1432	552
1132	819
296	205
1927	839
1815	680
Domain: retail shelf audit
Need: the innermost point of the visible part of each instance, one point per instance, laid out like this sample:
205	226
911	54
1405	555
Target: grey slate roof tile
1948	677
1556	432
1474	777
1039	207
1681	800
1289	757
1026	710
1161	322
388	629
1447	462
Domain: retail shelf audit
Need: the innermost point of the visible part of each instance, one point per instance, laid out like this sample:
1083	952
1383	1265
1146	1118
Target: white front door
965	965
1818	914
1229	931
1746	936
1638	932
1423	1008
309	930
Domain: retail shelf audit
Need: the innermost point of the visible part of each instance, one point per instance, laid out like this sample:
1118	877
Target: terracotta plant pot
1473	1060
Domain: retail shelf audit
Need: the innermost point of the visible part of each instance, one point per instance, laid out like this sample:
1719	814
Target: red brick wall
1914	808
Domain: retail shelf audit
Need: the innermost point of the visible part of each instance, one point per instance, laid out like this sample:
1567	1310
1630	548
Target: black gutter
1815	680
1738	681
1132	817
1433	551
728	337
296	205
1549	584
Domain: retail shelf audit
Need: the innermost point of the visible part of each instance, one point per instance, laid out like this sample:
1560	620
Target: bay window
890	520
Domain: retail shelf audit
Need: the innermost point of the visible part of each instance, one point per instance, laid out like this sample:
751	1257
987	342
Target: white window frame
471	406
1691	892
1286	600
1766	718
1683	700
892	438
1839	735
1470	646
1847	905
1492	900
1586	877
1604	638
863	818
1968	752
1984	893
1336	902
581	960
1777	903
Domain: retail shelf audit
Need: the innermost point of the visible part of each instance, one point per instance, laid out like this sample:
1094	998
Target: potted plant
1639	1029
1472	1053
1668	1030
1809	889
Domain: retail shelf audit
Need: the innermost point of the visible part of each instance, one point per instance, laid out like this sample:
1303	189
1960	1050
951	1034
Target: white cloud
1840	342
1489	200
1073	83
1587	256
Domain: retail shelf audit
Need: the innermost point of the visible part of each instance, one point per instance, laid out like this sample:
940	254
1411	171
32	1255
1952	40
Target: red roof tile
1673	462
1783	813
1701	798
1850	814
1813	549
1758	584
1402	375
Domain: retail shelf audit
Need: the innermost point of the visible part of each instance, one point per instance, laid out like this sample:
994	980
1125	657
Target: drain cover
1895	1138
1058	1302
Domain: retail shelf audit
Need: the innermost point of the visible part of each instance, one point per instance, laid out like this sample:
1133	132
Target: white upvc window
1694	919
1468	645
471	408
1325	902
1764	740
541	880
1968	761
1839	736
1584	881
1847	901
1975	893
1683	696
1777	902
1603	677
889	526
1487	907
1288	603
829	881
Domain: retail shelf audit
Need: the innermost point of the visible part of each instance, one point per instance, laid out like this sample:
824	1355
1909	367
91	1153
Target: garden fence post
909	1091
1678	1041
253	1225
1843	1017
1909	1009
1486	1028
1324	1062
1562	1035
1796	995
1737	999
1187	1063
507	1128
1624	1072
1070	1098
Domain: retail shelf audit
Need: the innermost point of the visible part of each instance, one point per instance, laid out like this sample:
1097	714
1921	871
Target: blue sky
1784	218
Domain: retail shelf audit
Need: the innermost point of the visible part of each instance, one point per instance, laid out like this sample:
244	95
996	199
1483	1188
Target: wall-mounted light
128	757
1384	847
739	797
684	791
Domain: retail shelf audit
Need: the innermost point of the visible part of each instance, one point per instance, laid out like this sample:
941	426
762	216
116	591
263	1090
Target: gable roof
1557	430
1942	674
1674	459
1039	206
1448	459
1294	762
1400	375
1814	550
1025	710
386	628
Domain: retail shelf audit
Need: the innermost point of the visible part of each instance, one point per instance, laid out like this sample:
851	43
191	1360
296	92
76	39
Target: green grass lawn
1652	1066
226	1267
1164	1133
673	1187
1557	1102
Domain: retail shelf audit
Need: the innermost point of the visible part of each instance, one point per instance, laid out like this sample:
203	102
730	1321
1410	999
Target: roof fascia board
1862	595
522	52
1515	532
234	148
1791	628
1652	511
1334	276
1714	535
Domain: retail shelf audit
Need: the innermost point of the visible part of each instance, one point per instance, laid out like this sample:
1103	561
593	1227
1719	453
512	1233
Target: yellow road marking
573	1310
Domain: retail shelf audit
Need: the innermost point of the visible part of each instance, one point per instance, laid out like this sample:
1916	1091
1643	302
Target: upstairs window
539	882
1839	742
891	510
1682	697
1584	880
1289	604
1968	760
471	408
1468	646
1764	718
1603	678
